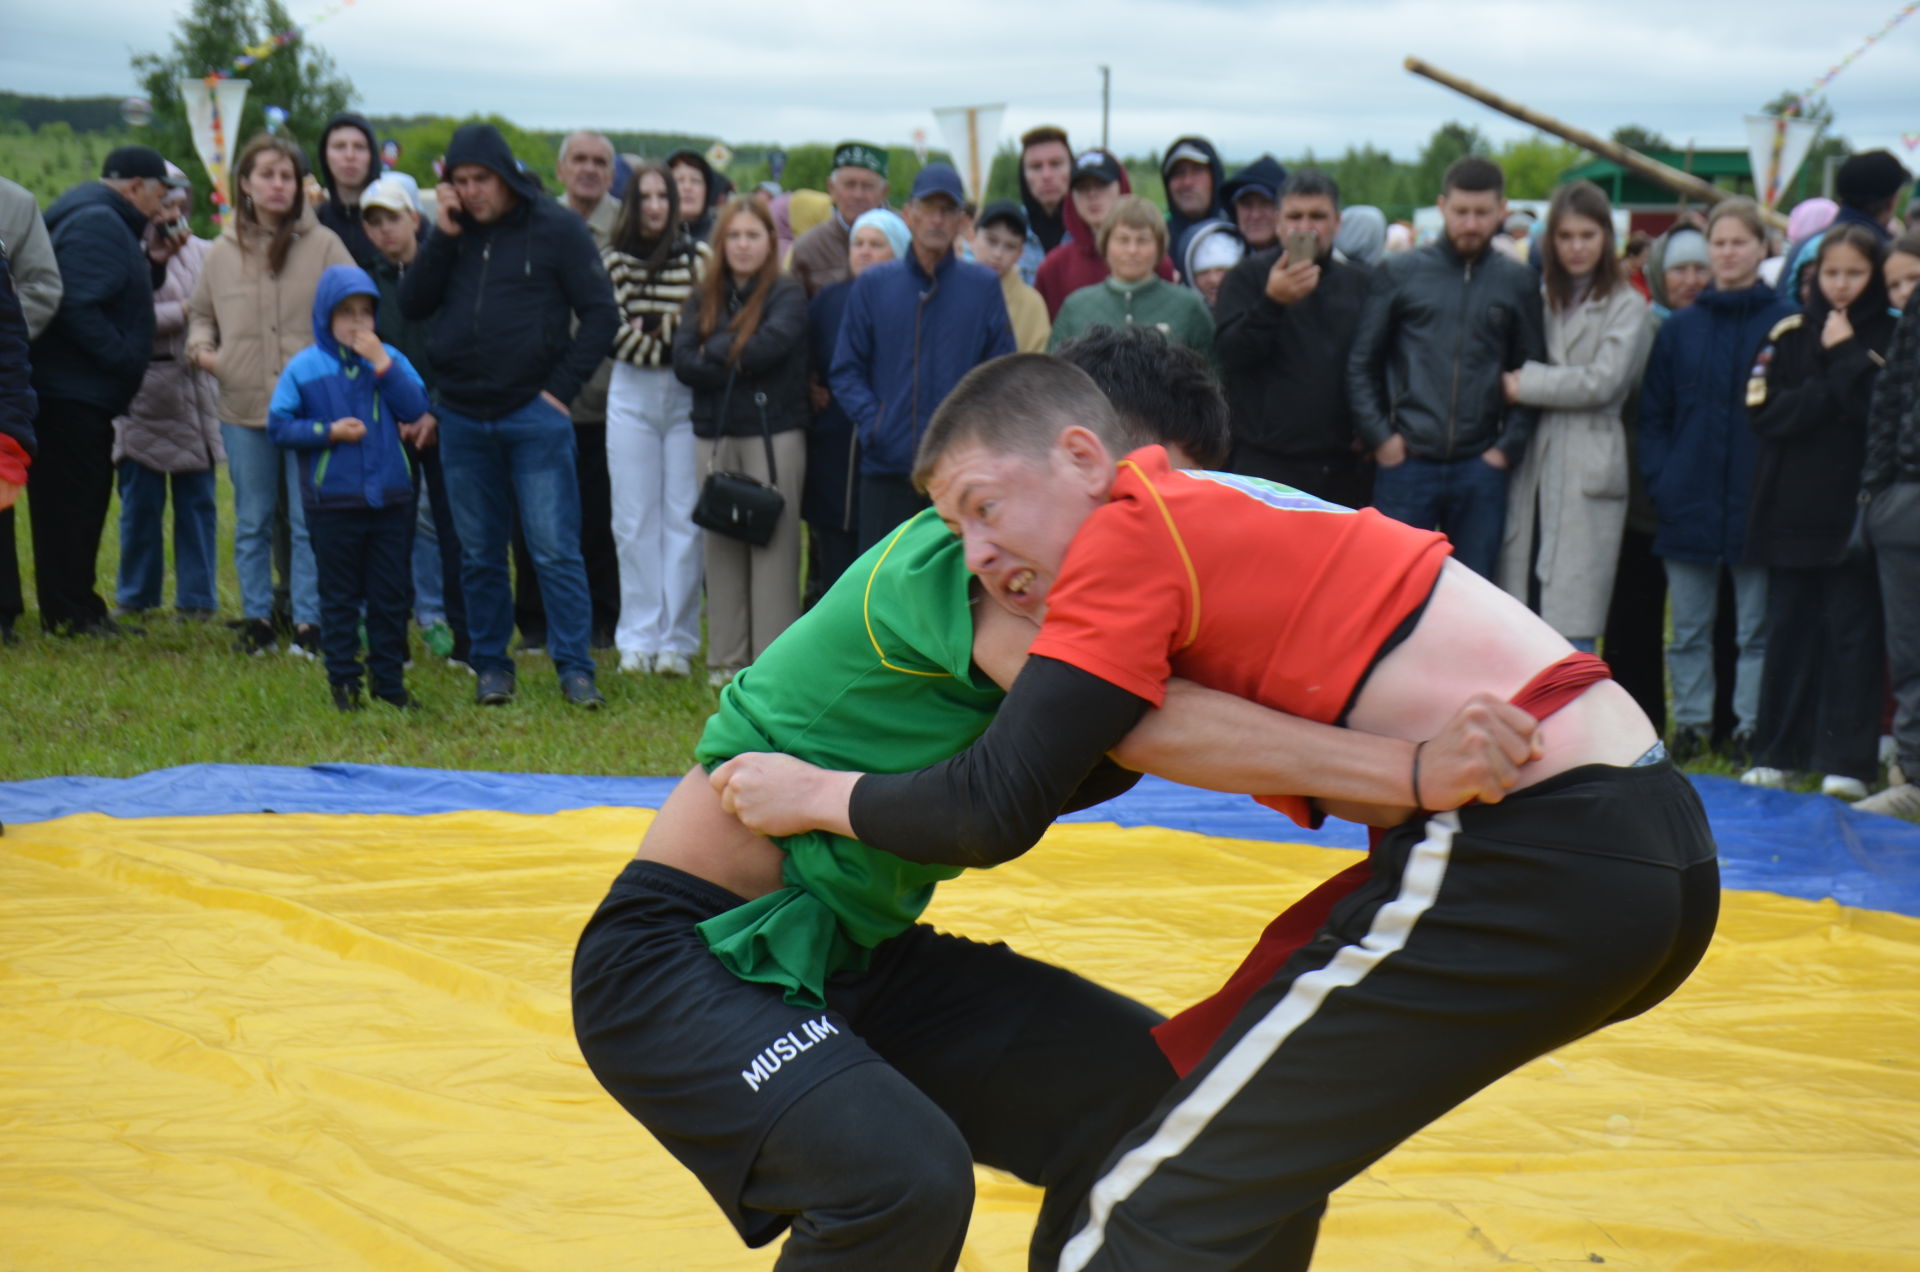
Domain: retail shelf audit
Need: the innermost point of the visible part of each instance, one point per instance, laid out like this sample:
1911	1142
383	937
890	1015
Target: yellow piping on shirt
866	610
1193	576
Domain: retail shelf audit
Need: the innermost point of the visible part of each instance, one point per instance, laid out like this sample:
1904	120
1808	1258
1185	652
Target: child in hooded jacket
345	405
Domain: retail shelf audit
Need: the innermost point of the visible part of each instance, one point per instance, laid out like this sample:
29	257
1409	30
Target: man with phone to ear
1284	324
503	277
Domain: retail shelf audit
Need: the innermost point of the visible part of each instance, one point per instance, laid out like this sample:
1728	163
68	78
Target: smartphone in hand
1302	247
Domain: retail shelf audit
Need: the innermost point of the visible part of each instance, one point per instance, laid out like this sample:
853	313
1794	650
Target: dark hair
1862	239
1307	183
1017	404
1639	241
1473	174
1162	391
714	287
1579	198
1042	135
283	234
630	237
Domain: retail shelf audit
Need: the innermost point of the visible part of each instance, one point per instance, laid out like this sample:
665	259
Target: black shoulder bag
740	505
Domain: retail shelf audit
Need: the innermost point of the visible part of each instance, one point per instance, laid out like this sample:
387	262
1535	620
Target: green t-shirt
878	677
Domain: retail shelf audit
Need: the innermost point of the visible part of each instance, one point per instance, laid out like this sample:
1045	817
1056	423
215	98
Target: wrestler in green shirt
876	677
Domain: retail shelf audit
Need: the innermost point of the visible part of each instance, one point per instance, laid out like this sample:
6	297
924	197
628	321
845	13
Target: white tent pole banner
1776	147
213	115
971	133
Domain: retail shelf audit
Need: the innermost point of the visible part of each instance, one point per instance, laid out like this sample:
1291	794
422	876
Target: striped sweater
660	298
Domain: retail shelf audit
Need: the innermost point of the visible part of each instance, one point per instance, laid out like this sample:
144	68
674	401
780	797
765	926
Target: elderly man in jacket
912	329
503	276
1439	328
87	366
857	185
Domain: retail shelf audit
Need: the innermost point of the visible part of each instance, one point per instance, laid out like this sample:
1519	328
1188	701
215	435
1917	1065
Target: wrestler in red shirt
1483	937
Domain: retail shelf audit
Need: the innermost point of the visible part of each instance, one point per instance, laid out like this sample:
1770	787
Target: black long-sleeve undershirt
1043	754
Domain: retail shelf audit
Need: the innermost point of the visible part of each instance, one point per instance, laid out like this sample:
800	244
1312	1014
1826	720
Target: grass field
179	695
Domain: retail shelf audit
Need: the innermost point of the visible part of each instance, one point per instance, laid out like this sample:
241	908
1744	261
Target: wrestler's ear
1087	455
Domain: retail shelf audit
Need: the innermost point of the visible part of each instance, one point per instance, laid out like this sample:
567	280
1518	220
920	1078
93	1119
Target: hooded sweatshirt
336	214
1077	262
699	221
1265	171
503	296
328	381
96	349
1045	230
1177	223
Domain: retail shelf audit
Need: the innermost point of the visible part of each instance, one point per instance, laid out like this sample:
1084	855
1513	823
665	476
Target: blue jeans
258	468
1694	592
522	461
1466	498
143	555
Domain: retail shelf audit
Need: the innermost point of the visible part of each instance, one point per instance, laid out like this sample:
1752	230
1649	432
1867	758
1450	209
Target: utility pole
1106	100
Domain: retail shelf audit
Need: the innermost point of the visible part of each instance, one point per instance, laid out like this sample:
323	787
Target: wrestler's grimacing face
1017	514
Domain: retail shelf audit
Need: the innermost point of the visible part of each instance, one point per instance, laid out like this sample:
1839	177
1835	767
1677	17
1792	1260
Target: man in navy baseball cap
938	179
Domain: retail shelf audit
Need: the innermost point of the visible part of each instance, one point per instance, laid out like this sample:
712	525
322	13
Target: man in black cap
1867	187
857	184
87	366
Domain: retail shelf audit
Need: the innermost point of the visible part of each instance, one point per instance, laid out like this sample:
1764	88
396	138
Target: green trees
299	78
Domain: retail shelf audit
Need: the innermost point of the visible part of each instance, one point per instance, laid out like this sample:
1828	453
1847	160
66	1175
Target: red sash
1187	1037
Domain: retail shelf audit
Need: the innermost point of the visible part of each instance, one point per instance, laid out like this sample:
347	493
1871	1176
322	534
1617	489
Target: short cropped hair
1473	174
1163	392
1041	136
1134	211
1017	404
1308	183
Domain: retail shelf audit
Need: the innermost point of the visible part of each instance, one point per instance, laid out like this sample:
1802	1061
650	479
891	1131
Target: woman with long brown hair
656	266
251	312
742	346
1567	498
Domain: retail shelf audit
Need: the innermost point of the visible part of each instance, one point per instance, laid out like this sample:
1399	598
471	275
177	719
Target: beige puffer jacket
255	320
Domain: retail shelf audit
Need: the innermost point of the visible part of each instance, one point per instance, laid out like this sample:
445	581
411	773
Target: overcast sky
1254	76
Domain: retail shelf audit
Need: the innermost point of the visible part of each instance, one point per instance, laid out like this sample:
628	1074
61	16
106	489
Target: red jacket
1077	262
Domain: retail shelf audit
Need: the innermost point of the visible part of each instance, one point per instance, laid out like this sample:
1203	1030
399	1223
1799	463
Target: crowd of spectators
491	406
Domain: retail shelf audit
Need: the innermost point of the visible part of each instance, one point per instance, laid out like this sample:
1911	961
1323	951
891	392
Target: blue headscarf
888	223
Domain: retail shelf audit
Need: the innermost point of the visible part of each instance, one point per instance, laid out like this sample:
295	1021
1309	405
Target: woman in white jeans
655	266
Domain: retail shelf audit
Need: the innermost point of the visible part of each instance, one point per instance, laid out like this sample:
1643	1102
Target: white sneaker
1772	778
633	661
1843	787
672	666
1895	801
718	678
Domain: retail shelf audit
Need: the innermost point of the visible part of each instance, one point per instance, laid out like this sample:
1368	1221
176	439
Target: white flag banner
971	133
1776	146
213	114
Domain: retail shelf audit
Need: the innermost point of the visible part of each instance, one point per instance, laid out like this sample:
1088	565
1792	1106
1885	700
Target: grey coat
1572	480
36	274
173	425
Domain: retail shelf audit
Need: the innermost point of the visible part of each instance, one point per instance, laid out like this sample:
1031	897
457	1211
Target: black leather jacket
1435	335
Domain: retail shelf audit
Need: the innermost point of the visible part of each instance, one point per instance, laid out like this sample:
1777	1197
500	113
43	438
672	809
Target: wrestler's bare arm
1220	742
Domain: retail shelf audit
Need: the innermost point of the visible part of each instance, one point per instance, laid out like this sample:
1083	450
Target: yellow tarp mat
309	1042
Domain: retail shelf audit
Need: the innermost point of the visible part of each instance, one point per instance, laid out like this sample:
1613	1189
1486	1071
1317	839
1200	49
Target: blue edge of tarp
1806	846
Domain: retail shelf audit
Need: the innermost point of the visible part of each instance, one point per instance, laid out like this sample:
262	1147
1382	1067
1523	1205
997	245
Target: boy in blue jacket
346	403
